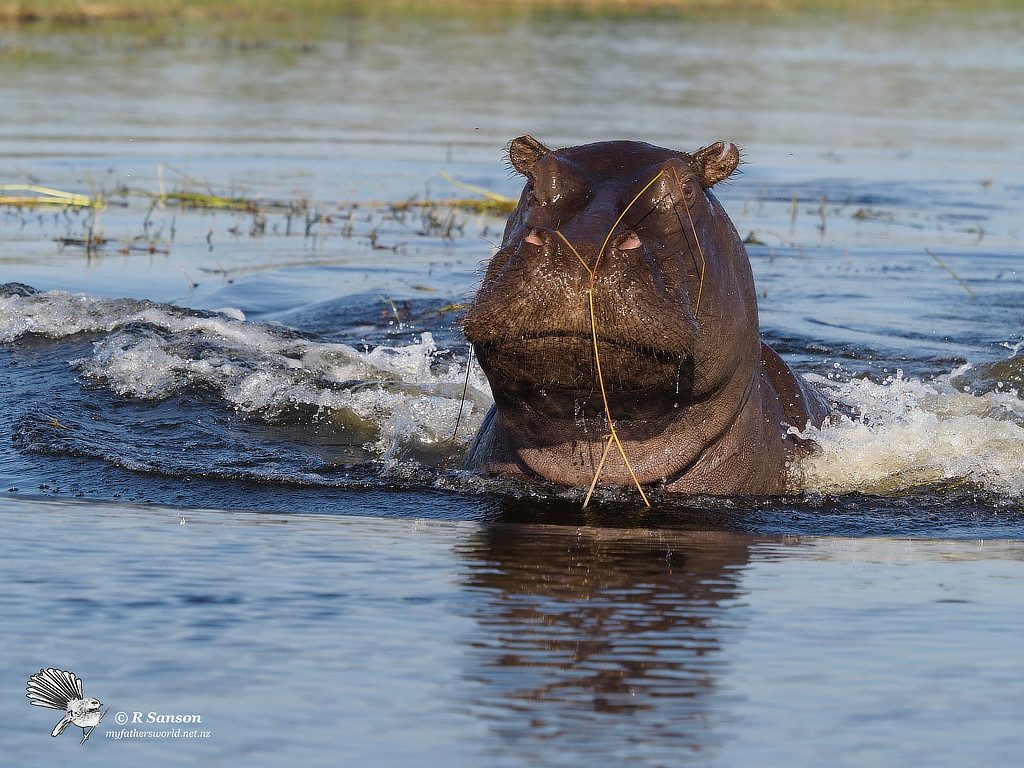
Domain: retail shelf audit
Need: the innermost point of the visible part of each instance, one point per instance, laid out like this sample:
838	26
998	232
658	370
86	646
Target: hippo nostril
535	237
627	241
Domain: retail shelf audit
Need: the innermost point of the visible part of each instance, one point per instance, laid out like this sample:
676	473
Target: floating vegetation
256	215
491	203
200	200
31	196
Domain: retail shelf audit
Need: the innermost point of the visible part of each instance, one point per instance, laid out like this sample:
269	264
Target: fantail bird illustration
60	689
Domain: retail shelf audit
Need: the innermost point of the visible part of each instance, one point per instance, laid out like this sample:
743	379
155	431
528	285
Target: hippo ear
716	163
524	152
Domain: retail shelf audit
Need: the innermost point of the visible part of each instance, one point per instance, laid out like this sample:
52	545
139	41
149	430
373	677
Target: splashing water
396	403
390	399
905	432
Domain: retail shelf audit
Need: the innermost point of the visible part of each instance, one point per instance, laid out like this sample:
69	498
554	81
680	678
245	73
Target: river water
223	429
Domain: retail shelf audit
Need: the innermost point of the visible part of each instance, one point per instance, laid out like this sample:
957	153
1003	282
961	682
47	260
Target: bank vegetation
89	12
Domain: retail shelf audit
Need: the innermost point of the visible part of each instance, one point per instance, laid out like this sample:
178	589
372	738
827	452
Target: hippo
617	326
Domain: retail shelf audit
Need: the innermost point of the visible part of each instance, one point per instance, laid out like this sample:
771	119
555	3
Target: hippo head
619	270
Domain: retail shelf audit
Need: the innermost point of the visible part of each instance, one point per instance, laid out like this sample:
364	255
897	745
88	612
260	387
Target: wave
388	399
960	428
399	404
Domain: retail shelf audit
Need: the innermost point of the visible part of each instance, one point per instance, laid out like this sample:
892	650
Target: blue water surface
222	431
340	640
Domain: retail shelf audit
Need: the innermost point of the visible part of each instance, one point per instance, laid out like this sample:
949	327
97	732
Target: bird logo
60	689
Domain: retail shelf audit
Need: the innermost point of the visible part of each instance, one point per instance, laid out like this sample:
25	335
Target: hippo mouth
564	362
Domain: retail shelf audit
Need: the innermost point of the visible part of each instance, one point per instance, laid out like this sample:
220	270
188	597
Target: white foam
905	433
394	396
59	314
392	393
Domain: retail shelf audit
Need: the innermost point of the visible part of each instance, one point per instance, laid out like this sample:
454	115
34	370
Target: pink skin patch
629	242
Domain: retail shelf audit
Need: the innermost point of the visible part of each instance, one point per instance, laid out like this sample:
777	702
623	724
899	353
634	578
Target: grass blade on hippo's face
700	251
600	466
597	357
615	226
607	410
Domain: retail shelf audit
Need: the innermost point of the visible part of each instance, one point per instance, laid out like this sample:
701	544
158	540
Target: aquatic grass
499	207
31	196
488	202
257	216
201	200
492	202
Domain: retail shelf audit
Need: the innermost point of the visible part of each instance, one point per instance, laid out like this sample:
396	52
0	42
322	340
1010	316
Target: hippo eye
675	191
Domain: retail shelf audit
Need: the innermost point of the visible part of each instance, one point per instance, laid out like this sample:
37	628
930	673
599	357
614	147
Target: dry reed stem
613	436
600	468
597	357
600	376
946	267
458	417
700	251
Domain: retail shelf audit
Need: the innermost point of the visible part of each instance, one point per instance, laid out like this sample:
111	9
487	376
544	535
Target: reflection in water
597	636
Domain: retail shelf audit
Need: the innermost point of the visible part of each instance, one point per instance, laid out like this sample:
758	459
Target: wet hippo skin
620	266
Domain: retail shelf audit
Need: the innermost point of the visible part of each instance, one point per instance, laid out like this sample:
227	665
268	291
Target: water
224	430
344	640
